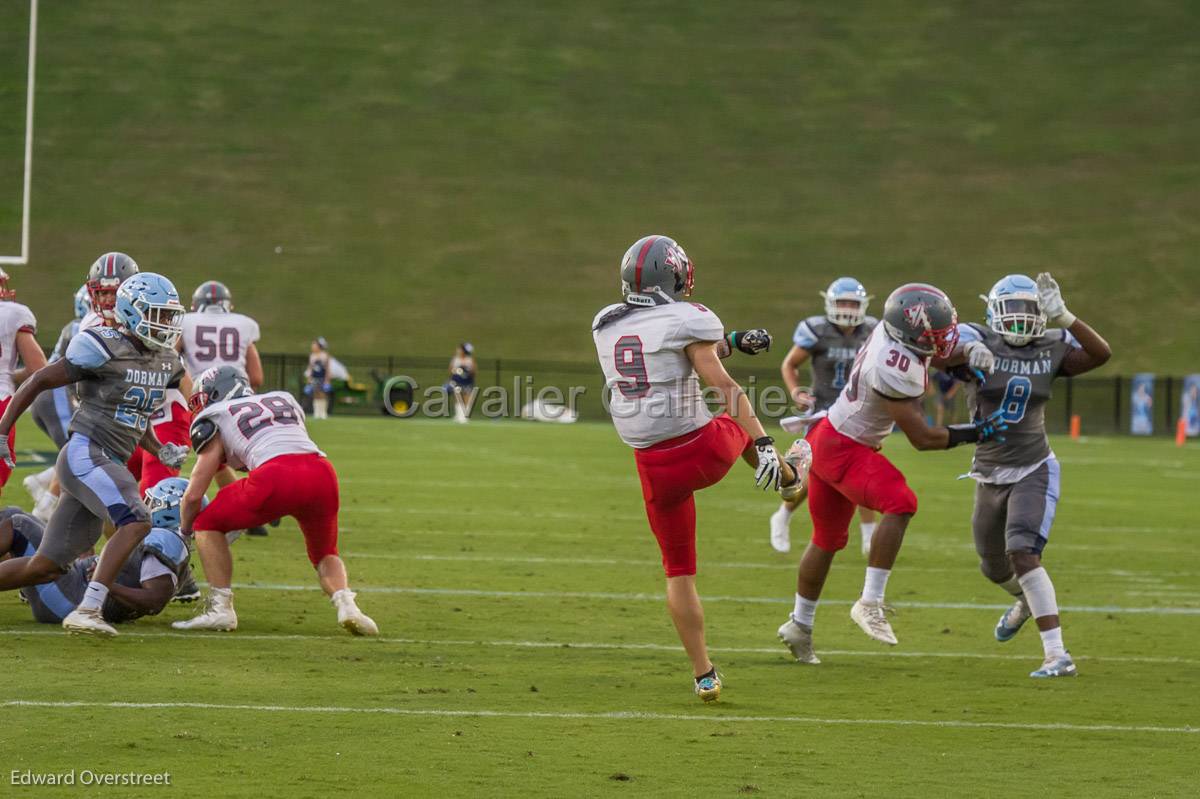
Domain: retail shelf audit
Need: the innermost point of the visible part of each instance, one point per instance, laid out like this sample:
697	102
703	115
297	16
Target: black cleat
188	591
257	531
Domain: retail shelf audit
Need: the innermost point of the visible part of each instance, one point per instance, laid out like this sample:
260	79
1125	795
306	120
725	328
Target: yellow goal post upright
23	257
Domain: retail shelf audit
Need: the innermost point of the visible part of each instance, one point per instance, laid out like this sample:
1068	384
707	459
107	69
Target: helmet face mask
846	302
1014	310
148	307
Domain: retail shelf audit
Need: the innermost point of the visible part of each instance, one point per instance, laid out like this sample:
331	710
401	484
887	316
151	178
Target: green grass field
432	172
526	650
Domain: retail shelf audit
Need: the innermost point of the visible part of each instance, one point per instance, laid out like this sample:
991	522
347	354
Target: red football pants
5	471
844	475
672	471
147	469
302	486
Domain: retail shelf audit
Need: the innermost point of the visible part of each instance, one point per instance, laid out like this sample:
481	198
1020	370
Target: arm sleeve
1070	340
85	354
701	324
804	338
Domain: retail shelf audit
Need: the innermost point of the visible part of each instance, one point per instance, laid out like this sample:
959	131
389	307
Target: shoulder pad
203	431
104	332
817	323
870	322
168	547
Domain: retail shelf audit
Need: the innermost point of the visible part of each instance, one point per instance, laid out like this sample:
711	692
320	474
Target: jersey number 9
631	363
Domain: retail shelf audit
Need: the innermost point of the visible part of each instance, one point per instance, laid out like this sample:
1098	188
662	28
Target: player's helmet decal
216	385
1014	310
921	317
657	265
212	294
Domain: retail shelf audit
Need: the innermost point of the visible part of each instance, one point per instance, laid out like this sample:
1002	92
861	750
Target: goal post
23	257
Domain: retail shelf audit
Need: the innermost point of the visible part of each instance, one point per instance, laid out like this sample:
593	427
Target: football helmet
5	292
163	500
216	385
921	317
148	307
104	278
846	290
656	265
83	302
212	294
1014	311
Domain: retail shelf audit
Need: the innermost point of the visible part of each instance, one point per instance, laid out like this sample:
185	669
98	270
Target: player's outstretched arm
154	595
790	370
1094	351
207	465
909	416
43	379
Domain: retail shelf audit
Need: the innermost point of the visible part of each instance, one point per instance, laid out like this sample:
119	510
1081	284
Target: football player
143	586
214	335
51	412
883	389
1017	484
105	276
655	348
122	375
289	476
829	343
462	381
17	330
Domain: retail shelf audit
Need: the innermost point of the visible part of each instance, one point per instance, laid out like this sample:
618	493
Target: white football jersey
174	403
14	318
214	337
883	370
654	393
260	427
92	319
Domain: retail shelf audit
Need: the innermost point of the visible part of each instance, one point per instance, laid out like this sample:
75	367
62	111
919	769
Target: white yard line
615	646
618	715
753	600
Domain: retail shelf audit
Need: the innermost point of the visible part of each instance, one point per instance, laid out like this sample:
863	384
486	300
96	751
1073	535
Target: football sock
94	596
868	530
805	611
787	510
874	584
221	596
1052	642
1013	586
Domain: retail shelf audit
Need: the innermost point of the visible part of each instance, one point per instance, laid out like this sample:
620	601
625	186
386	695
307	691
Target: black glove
751	342
979	431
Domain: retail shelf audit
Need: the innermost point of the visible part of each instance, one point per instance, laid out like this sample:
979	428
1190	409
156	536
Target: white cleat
43	509
349	617
798	638
35	487
88	621
220	618
870	617
1056	666
781	536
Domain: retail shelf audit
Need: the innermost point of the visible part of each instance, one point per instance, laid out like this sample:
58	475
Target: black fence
1102	403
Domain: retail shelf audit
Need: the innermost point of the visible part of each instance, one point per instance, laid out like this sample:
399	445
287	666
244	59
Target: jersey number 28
254	415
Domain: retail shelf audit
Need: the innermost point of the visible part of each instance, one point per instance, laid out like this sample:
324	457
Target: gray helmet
209	293
921	317
107	274
218	384
657	264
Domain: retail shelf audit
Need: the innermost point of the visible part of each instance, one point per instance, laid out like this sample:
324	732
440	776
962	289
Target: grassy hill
401	176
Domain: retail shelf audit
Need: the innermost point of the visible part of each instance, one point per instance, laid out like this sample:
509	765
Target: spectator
947	390
317	374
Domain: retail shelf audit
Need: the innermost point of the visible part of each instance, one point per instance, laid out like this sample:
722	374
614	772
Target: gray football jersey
121	383
1020	386
832	354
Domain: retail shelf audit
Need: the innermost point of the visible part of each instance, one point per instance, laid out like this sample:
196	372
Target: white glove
767	474
6	444
172	455
1051	301
980	357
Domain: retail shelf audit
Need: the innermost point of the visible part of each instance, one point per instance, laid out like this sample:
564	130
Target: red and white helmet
104	278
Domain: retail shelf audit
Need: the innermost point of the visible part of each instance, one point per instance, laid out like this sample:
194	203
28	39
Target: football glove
172	455
967	374
751	342
979	431
980	357
767	474
1051	301
6	442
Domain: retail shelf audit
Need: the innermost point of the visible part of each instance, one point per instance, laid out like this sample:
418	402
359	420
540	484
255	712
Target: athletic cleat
799	457
88	621
1056	666
798	638
349	617
870	617
43	509
35	486
188	591
781	537
1010	623
212	617
257	531
708	687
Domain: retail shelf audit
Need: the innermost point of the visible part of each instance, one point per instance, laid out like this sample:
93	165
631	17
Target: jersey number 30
631	363
253	415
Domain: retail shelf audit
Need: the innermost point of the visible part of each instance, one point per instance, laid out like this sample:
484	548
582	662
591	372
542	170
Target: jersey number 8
1016	398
